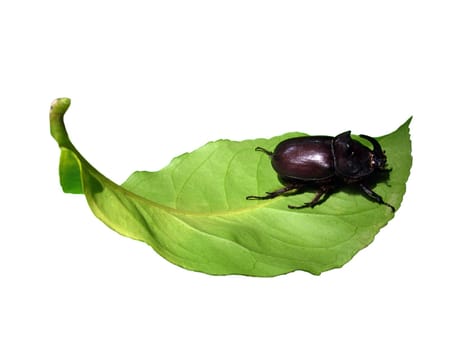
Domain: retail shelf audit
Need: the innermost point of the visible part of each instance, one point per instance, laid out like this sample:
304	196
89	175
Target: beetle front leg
374	196
277	193
323	191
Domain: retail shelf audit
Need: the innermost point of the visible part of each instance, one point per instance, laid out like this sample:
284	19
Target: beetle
327	163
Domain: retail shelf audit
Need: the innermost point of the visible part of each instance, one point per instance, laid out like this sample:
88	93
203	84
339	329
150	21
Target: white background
152	79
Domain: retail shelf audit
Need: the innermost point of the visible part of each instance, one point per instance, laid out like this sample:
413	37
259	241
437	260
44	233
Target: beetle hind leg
267	152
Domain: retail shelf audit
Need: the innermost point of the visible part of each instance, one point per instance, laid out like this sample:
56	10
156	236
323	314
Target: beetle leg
278	192
323	191
260	149
374	196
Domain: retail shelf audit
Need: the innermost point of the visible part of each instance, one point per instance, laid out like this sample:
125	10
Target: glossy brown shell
307	158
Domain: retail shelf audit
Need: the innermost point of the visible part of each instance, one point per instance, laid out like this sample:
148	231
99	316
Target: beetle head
352	160
379	160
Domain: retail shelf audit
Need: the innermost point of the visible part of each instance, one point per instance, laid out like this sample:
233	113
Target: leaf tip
408	121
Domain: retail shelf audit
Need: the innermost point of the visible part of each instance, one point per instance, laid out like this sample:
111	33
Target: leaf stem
57	127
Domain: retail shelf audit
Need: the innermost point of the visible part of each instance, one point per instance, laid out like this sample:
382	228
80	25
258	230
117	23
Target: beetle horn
377	149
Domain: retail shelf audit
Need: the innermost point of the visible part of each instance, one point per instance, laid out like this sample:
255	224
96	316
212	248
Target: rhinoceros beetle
327	163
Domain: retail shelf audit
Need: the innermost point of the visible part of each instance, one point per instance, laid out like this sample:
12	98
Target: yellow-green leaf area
195	214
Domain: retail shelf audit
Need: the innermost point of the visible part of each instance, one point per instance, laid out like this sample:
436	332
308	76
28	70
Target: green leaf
194	212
